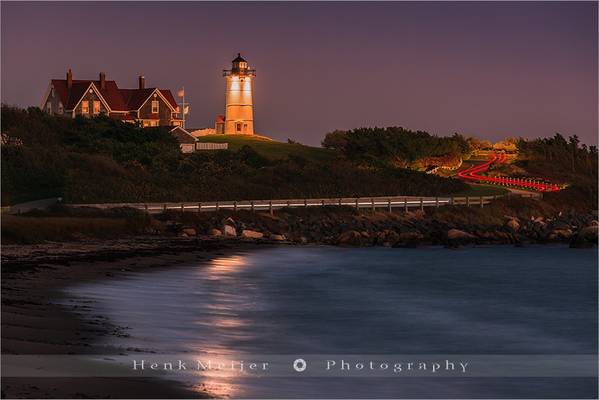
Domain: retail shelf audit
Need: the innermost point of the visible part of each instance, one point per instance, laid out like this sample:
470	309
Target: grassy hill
94	160
269	148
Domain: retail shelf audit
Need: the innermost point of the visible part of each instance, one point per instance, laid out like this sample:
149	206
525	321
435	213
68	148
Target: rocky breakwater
344	226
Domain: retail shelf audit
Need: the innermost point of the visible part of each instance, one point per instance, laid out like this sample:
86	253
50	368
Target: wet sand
34	321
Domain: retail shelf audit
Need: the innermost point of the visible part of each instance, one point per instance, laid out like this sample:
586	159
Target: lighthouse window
238	127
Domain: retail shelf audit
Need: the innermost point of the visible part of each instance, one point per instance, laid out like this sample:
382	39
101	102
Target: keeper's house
89	98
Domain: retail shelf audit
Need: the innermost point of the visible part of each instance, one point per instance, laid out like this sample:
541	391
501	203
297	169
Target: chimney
142	82
102	81
69	79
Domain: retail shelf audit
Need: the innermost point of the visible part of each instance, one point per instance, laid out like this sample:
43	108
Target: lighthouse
239	107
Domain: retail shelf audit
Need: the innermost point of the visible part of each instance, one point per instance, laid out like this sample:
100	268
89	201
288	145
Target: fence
211	146
386	203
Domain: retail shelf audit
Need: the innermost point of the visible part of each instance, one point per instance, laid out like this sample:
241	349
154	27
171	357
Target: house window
85	107
155	106
96	107
60	108
149	123
49	108
238	127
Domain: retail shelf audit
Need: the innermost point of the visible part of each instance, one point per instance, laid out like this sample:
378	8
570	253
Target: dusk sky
485	69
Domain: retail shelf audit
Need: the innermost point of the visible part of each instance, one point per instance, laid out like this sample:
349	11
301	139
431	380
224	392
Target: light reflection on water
358	301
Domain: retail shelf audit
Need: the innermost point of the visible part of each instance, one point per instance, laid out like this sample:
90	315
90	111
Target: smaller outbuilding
187	142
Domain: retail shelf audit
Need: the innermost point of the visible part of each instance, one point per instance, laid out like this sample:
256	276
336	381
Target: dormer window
155	106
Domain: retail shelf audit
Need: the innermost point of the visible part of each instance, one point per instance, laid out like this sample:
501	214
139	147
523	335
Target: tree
335	140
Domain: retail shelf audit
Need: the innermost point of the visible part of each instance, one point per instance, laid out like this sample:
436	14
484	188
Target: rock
410	236
416	214
215	232
538	221
229	221
278	238
513	224
391	237
229	230
247	233
456	234
189	231
586	237
350	238
560	234
590	232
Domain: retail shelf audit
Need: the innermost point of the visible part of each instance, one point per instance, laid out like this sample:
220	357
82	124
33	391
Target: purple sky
486	69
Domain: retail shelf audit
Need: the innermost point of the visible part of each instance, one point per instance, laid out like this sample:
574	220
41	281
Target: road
473	174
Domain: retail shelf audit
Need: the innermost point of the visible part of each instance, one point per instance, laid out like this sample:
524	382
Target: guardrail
387	203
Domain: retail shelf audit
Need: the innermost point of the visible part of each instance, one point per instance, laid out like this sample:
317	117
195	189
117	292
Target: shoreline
35	320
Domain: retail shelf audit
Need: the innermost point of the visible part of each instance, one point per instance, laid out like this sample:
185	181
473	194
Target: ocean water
325	303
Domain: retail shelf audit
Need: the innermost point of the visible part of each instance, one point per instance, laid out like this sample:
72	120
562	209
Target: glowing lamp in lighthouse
239	107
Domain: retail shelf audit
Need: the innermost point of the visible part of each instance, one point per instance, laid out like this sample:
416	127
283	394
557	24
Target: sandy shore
33	321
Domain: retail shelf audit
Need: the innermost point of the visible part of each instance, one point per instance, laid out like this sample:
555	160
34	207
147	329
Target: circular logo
300	365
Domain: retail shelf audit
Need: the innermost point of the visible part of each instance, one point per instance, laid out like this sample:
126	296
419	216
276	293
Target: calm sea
395	305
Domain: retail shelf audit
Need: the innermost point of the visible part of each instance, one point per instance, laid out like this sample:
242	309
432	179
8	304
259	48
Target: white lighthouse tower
239	106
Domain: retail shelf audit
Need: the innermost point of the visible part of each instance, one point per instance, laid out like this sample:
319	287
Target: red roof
117	99
220	118
169	97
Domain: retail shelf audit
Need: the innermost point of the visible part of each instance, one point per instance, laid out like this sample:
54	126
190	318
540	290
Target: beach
34	321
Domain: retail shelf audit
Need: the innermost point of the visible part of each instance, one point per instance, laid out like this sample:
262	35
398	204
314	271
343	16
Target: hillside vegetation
396	146
103	160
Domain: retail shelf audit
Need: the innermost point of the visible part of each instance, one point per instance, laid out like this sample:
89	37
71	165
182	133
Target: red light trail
472	174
